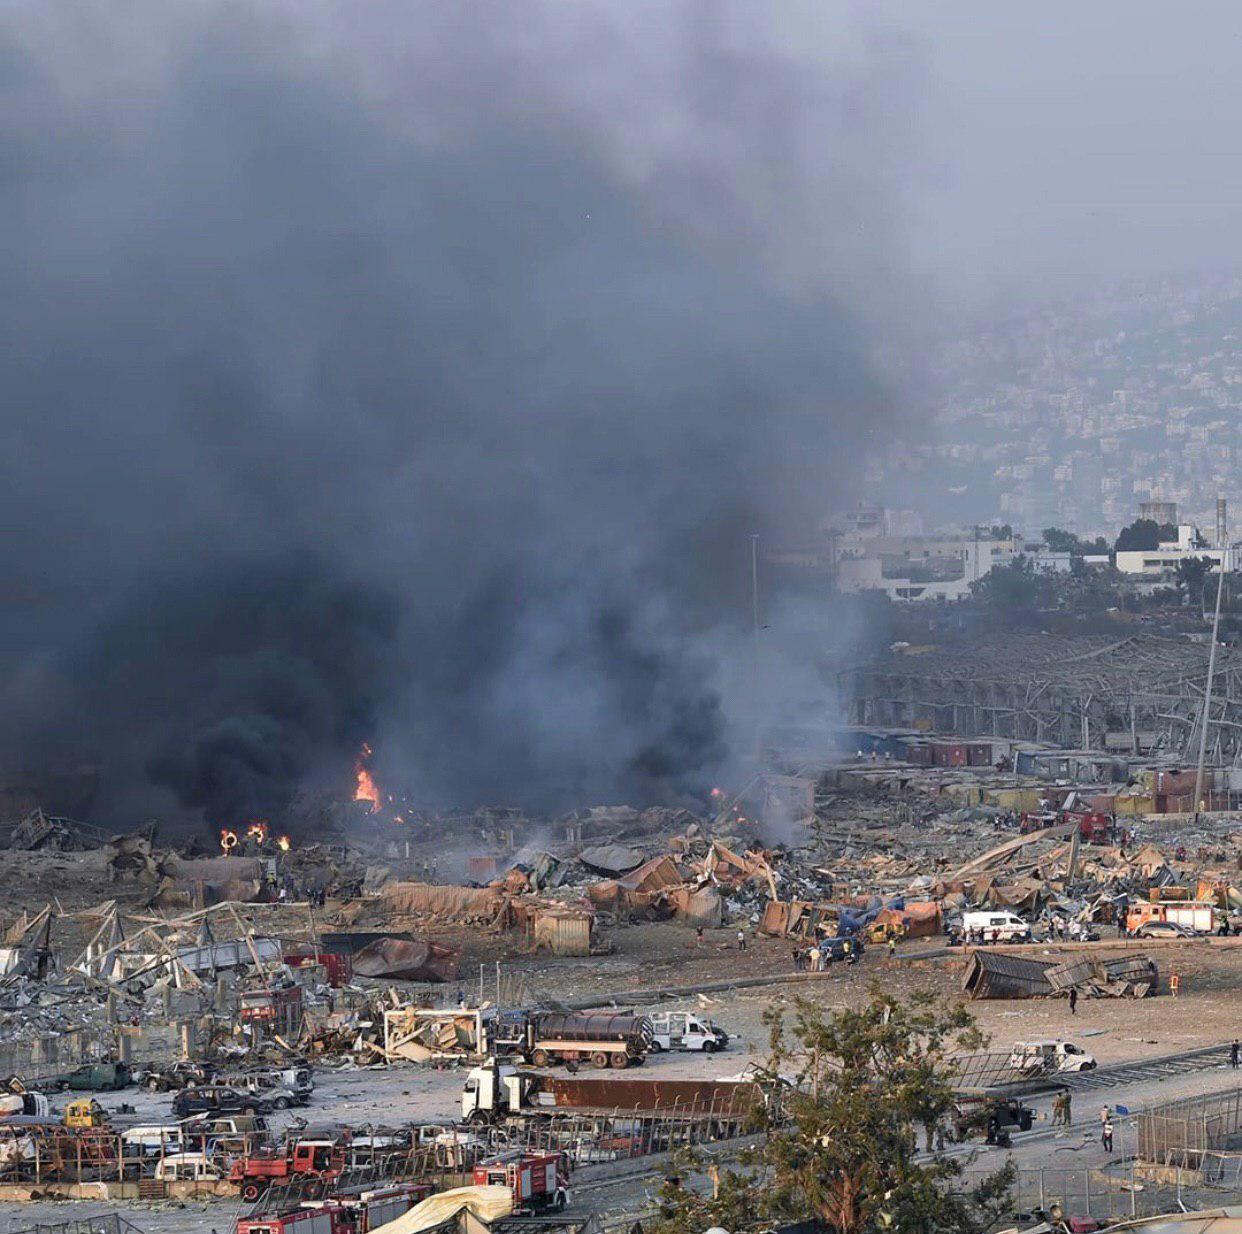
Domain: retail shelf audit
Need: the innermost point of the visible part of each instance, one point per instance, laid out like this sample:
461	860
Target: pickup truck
95	1078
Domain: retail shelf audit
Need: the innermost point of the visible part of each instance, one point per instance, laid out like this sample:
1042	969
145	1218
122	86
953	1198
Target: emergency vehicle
537	1180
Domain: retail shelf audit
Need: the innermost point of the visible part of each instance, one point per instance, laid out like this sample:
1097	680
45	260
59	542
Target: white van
996	927
153	1139
684	1030
188	1167
1046	1057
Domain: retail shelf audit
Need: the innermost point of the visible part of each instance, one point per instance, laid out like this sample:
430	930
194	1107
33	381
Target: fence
1181	1133
105	1223
47	1057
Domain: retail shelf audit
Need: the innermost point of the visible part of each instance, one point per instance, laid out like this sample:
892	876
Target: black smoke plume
418	374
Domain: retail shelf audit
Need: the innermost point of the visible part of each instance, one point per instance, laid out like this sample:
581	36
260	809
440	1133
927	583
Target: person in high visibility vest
1175	984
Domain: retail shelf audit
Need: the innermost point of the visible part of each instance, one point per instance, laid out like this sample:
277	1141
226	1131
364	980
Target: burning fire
257	832
228	840
283	842
366	788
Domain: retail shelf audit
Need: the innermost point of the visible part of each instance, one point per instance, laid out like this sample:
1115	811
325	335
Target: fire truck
356	1212
537	1180
318	1158
372	1206
330	1219
1094	827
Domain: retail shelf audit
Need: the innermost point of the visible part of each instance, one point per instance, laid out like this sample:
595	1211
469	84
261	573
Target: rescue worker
892	946
741	941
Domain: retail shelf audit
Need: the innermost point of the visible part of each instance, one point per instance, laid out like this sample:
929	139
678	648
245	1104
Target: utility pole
754	614
1207	693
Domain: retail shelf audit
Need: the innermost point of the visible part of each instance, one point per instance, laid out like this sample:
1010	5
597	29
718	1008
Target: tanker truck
603	1039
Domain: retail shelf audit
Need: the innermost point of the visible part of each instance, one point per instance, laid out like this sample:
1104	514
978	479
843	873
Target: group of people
817	958
286	890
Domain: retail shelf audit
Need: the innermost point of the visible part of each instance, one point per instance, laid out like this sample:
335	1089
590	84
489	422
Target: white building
908	568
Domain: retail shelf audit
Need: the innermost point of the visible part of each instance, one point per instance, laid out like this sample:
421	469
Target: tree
1059	541
1001	531
871	1082
1144	535
1012	587
1191	571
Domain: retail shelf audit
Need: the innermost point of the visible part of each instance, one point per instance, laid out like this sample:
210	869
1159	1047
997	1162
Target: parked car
217	1099
1165	929
227	1134
96	1077
266	1086
177	1076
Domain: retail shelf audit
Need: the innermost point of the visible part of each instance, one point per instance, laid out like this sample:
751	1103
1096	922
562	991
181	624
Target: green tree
1143	535
1191	572
1012	587
1059	541
873	1086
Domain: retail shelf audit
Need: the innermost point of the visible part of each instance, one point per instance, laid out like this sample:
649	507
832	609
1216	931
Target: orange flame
283	842
228	840
366	789
257	831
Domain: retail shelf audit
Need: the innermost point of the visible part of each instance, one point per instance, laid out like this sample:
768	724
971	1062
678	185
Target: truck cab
685	1030
492	1089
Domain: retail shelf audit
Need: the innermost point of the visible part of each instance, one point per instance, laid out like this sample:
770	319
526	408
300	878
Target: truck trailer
494	1092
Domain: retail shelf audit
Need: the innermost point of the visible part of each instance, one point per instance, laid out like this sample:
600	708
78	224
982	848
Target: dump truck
494	1092
603	1039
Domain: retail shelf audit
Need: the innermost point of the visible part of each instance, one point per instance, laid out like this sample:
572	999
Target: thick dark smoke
418	375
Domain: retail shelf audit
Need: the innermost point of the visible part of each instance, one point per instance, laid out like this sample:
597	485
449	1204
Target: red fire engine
330	1219
357	1212
537	1180
1094	827
320	1159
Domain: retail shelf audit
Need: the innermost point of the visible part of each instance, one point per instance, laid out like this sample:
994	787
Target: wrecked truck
495	1092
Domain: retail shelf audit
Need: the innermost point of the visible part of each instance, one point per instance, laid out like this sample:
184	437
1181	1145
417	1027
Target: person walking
1058	1111
1106	1135
1233	1053
1066	1099
797	959
741	941
1073	1000
892	946
1175	984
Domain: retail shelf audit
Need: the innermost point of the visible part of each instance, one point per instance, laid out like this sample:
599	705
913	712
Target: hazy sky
1065	142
